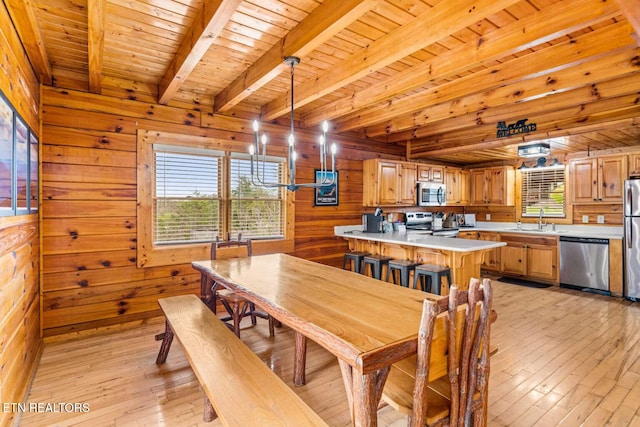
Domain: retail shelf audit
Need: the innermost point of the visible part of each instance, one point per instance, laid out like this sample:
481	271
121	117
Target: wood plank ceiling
437	75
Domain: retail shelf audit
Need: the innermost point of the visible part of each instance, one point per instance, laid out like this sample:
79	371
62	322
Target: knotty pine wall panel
90	278
20	341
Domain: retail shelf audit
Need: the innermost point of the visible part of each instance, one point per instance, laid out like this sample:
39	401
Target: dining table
368	324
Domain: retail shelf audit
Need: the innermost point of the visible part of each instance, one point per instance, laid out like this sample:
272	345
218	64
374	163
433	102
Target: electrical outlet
600	219
585	219
487	217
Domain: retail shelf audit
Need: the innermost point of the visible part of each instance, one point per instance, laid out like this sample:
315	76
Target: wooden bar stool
432	274
355	260
402	266
376	262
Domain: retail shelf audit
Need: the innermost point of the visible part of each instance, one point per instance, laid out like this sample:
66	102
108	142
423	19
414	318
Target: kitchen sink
533	230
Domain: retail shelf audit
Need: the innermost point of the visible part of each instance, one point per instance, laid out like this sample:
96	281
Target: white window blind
543	188
256	212
187	205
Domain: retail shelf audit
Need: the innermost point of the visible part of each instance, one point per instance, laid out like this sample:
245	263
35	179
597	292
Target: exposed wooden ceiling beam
437	23
24	18
544	61
328	19
553	124
211	20
96	21
631	10
589	74
550	23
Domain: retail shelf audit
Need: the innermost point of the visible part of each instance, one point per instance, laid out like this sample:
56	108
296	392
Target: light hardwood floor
564	358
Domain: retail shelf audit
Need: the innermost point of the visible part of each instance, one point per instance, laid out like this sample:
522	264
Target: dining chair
236	306
460	398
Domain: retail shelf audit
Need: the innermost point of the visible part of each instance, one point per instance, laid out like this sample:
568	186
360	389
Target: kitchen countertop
597	231
417	240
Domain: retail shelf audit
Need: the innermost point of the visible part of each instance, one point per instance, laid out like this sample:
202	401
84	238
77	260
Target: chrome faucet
540	225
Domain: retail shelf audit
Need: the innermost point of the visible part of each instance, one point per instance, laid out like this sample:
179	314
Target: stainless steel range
422	223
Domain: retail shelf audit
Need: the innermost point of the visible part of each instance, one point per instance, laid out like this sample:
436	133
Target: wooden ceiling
437	75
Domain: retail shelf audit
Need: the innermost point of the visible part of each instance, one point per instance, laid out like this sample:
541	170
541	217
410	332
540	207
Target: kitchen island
462	256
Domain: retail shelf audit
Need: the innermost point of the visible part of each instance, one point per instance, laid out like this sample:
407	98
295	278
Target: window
189	204
256	212
192	189
543	188
186	205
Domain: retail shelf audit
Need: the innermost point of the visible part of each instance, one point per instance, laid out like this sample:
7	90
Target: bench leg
209	412
167	339
300	361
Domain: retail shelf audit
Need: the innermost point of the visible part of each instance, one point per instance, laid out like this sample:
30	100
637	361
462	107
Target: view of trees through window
189	207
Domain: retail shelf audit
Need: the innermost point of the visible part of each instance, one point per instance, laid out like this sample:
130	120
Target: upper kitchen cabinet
598	180
634	164
493	186
457	184
431	173
389	183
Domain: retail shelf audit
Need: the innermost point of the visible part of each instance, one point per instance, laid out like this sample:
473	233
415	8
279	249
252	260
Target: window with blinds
543	188
187	202
256	212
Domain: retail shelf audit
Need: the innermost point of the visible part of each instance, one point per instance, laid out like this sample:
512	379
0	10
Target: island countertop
419	240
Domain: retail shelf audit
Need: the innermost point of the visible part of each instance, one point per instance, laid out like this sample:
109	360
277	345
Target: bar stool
404	266
376	262
433	275
355	260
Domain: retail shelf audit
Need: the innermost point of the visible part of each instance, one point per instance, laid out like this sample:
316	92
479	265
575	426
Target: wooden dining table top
366	322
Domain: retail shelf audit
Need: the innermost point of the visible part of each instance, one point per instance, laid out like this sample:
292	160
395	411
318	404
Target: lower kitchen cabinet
530	257
492	258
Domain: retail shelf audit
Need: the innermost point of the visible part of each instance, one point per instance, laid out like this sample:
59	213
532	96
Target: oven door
431	194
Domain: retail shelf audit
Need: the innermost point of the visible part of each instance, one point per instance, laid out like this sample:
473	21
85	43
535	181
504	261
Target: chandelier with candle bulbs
259	155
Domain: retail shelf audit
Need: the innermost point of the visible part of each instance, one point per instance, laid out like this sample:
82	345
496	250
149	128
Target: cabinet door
495	188
542	262
451	181
437	174
493	257
388	173
612	171
514	259
478	185
634	164
584	179
424	173
407	184
463	188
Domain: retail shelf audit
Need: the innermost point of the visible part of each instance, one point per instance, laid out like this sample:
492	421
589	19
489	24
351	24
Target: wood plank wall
90	278
20	342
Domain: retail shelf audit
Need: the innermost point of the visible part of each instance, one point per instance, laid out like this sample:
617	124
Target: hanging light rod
258	179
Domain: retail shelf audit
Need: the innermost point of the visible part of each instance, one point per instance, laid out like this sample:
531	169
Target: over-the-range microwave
431	194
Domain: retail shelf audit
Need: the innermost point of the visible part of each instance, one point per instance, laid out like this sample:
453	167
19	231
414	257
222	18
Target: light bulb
255	126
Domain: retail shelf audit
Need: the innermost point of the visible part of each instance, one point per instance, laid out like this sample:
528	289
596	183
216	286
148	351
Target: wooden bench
239	388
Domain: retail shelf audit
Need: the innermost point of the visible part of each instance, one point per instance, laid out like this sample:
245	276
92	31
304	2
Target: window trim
149	255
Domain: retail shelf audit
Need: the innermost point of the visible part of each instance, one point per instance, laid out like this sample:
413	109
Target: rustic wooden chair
461	397
236	306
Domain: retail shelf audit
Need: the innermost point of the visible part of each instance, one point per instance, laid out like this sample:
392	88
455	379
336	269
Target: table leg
363	393
300	361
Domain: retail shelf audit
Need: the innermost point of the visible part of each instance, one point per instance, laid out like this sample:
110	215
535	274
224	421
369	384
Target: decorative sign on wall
326	195
521	126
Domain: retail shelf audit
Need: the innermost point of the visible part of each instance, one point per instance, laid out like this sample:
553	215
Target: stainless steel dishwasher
584	263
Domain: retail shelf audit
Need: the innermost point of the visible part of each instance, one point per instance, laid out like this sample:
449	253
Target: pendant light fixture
259	155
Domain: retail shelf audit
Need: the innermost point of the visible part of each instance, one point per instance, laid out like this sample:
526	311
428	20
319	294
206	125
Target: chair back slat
231	248
467	330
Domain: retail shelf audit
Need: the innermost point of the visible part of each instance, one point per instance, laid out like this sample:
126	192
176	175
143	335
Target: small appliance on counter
469	220
372	223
